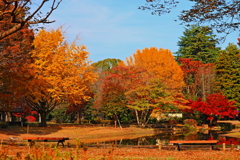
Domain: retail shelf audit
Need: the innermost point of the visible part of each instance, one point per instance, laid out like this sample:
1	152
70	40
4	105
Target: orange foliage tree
162	87
160	64
61	73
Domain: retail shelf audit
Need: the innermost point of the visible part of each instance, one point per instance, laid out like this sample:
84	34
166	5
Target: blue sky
117	28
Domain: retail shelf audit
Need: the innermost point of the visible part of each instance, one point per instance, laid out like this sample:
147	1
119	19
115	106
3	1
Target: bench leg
31	143
212	147
60	141
178	147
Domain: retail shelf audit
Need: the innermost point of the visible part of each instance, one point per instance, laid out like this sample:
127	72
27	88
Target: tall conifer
228	73
199	43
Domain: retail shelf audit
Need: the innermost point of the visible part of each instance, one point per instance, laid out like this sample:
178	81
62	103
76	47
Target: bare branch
11	13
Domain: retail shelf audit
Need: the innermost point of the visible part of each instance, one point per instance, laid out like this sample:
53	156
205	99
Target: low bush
3	125
190	122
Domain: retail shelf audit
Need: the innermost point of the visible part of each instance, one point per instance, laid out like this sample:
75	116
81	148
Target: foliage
150	100
190	122
198	77
215	107
3	125
61	73
158	87
100	67
14	58
79	109
27	114
198	43
160	64
106	64
23	13
60	115
222	15
228	73
31	118
120	79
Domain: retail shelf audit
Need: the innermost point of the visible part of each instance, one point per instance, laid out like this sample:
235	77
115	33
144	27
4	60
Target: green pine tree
198	43
228	73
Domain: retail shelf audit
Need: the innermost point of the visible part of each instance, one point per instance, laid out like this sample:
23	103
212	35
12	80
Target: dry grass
85	133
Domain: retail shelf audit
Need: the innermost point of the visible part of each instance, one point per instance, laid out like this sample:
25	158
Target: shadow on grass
18	130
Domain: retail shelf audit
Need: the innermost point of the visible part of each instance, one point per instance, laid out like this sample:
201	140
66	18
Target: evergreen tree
228	73
198	43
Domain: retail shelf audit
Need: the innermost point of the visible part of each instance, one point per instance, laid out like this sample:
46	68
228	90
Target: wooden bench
46	139
195	142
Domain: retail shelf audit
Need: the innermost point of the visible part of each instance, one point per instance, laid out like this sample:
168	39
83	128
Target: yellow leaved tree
163	88
160	64
61	73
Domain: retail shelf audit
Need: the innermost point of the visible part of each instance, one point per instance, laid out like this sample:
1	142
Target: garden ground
90	134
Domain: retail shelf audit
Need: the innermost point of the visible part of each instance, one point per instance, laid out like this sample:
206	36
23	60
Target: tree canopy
14	56
61	73
228	73
161	64
199	43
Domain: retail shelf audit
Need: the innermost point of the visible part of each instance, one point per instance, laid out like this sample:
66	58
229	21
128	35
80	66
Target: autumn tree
23	13
223	15
215	107
204	80
120	79
100	68
228	73
106	64
14	57
198	77
150	100
190	69
160	64
163	85
61	73
78	109
199	43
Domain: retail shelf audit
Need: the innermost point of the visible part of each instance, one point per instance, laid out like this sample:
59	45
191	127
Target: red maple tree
216	106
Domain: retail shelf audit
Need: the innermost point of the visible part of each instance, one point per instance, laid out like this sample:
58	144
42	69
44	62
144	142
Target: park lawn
85	134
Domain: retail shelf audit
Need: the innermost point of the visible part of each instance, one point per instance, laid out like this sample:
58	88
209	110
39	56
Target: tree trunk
115	121
79	117
203	87
119	122
43	116
137	117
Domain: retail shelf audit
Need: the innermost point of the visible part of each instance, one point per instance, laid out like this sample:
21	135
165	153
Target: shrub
3	125
190	125
190	122
96	121
108	122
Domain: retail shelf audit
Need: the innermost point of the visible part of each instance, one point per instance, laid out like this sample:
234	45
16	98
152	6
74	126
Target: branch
12	9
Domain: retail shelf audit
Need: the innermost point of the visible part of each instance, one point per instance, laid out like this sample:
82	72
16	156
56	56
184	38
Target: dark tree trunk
115	120
43	116
79	117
